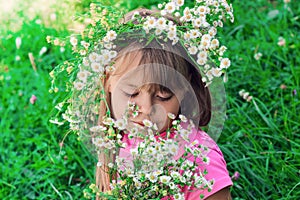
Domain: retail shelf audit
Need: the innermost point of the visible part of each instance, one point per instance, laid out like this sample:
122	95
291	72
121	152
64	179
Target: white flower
111	35
78	85
152	177
178	196
220	24
175	122
206	37
85	61
120	124
108	121
222	50
187	36
175	175
108	45
175	40
186	11
202	55
59	106
133	131
112	54
173	149
184	134
83	75
188	18
216	72
214	44
182	118
158	172
201	10
85	44
201	61
158	31
110	165
42	51
172	26
177	14
73	41
98	142
241	92
172	185
93	57
110	68
172	35
197	22
161	23
257	56
151	151
147	123
151	22
98	128
171	116
137	184
99	164
163	12
170	7
206	160
182	179
165	179
96	67
18	42
212	31
82	52
193	50
155	127
195	33
179	2
55	121
105	57
136	13
225	63
188	173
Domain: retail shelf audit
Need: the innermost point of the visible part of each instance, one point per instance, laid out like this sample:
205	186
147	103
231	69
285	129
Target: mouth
138	123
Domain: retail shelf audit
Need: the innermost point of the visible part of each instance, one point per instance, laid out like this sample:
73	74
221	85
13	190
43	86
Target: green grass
260	139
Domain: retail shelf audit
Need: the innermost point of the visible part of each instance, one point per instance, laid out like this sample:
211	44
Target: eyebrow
130	85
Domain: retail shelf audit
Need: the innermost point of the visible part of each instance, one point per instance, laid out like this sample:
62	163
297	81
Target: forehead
137	68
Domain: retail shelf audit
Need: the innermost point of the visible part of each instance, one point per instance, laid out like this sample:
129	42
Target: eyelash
160	98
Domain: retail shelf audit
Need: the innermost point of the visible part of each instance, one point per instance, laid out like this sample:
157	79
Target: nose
144	102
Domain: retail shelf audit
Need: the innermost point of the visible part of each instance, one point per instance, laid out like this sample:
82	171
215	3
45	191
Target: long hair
159	52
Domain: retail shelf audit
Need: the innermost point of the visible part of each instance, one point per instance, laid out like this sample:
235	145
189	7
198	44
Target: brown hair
164	53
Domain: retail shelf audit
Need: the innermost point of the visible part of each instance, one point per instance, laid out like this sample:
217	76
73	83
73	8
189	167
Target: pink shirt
216	168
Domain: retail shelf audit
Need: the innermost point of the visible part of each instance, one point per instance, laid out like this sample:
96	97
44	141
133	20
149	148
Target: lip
138	123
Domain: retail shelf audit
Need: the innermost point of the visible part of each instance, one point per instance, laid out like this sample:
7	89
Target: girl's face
153	104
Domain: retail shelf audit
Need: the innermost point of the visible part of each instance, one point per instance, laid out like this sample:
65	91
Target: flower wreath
95	51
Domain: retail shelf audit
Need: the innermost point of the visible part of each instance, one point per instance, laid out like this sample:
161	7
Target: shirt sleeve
216	169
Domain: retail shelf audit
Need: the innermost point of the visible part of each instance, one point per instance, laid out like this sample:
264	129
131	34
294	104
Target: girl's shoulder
201	140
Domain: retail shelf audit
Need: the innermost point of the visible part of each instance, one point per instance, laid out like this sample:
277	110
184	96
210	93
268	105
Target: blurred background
260	139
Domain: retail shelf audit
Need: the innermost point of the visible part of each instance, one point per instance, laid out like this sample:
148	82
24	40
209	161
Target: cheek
119	104
173	107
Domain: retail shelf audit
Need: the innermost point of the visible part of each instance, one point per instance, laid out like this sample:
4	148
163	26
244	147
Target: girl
160	78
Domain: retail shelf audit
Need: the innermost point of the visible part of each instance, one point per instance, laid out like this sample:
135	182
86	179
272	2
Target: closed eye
128	94
164	98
